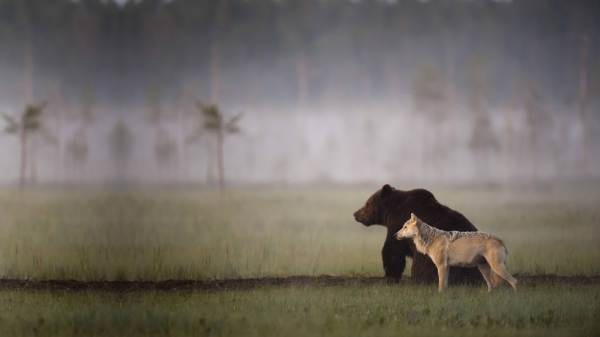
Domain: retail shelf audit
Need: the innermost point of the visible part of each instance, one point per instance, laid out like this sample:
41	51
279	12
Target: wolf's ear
385	190
412	216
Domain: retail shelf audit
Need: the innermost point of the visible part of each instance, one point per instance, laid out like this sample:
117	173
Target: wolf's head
410	228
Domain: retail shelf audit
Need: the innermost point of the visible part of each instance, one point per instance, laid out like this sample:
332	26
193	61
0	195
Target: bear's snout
358	216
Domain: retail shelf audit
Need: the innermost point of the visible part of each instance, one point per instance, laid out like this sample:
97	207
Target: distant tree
87	100
537	119
507	144
121	145
280	169
483	142
429	97
78	150
23	12
219	24
24	24
583	102
297	28
57	107
155	102
215	123
29	123
369	130
164	147
195	136
186	108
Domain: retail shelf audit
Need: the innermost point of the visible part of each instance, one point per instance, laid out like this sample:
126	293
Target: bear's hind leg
463	275
423	269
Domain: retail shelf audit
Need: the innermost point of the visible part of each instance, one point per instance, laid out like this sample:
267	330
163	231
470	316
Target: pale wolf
462	249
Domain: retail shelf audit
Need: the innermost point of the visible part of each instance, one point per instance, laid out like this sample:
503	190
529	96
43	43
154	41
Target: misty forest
299	92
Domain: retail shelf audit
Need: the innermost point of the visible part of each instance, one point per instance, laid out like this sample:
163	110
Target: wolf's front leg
443	275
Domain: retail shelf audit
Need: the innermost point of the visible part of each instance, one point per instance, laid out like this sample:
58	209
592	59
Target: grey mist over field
332	92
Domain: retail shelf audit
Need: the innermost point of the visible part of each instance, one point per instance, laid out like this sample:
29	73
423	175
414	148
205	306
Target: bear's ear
386	189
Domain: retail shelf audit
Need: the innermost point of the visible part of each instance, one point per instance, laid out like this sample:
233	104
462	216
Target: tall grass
158	235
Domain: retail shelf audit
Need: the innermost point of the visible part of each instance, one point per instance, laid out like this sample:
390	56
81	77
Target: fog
330	91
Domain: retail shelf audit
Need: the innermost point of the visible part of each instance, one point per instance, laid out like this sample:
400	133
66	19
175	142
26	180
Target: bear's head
372	212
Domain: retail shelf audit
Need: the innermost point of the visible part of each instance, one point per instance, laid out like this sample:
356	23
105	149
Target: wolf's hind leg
486	271
500	269
497	279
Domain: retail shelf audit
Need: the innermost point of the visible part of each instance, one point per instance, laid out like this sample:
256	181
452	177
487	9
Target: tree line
451	60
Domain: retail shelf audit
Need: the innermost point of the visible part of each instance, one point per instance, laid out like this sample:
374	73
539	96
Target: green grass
548	309
158	235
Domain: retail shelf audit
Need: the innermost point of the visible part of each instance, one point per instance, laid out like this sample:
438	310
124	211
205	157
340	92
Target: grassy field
161	235
547	309
158	235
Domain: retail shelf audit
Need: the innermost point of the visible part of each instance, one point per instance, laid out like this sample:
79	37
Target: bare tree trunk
302	87
32	158
583	104
215	51
365	77
209	161
183	155
184	165
368	159
28	83
250	160
532	153
449	64
215	73
439	153
508	144
23	169
220	160
28	71
59	147
423	139
56	104
215	82
27	66
392	78
157	158
83	162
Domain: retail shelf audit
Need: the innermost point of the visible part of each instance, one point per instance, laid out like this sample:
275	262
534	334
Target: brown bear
391	208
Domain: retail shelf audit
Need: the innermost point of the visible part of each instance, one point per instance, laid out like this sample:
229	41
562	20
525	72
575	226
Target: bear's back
424	205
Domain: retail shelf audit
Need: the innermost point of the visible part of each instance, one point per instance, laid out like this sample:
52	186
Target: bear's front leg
423	269
394	258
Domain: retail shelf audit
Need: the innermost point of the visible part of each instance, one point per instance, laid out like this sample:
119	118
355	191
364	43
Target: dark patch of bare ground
248	283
